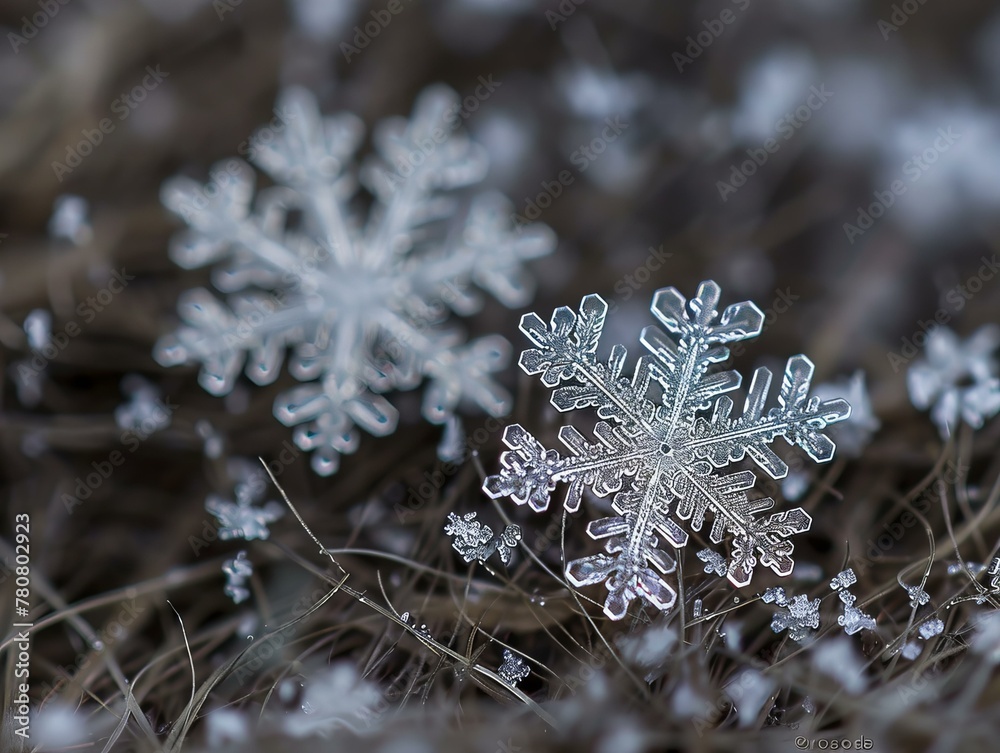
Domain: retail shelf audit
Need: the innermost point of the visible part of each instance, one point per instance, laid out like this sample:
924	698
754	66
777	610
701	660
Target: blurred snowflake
244	519
237	570
655	451
337	697
940	378
854	434
362	305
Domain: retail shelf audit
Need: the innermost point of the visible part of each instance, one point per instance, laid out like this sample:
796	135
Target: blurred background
835	161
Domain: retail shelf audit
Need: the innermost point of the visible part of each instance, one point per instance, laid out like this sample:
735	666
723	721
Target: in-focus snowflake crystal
663	438
714	562
918	596
800	616
939	379
514	668
853	620
843	579
475	541
237	570
362	304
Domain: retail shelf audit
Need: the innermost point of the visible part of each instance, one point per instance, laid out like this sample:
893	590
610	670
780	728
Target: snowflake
844	579
657	450
361	304
145	411
931	628
853	620
911	650
475	541
243	519
237	570
337	697
994	573
800	617
939	379
514	669
918	596
714	562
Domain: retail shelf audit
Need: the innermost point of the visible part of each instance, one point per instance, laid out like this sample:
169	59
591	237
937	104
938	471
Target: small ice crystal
844	579
800	619
514	669
714	562
918	596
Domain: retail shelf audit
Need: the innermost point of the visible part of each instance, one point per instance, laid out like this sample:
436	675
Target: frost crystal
237	570
714	562
911	650
931	628
475	541
361	304
918	596
994	572
844	579
853	620
244	520
800	617
663	438
939	379
514	669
